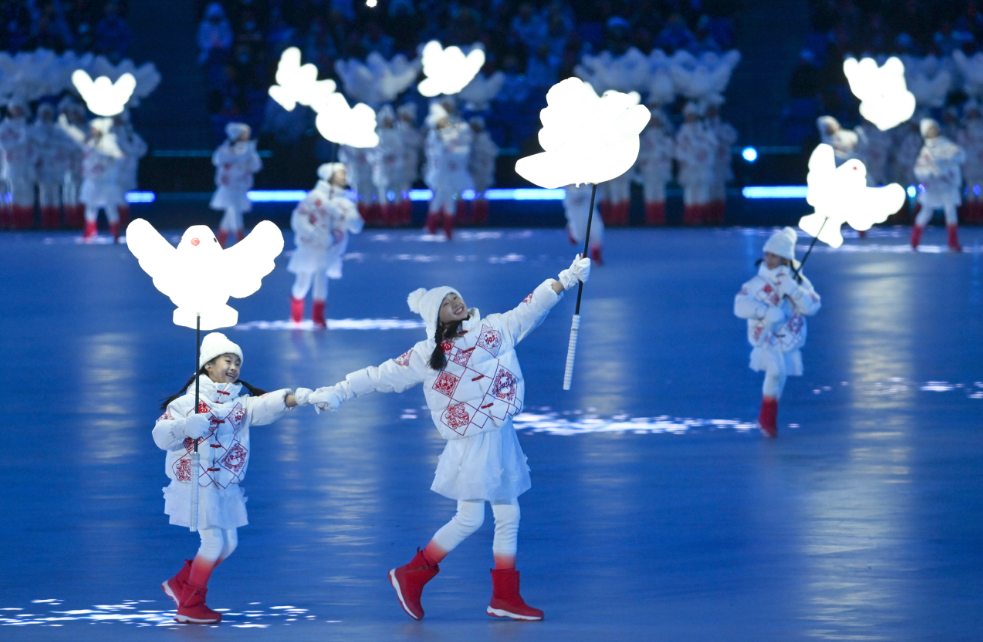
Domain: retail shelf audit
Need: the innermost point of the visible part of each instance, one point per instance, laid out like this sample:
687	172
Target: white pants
926	215
776	373
616	191
444	199
217	543
696	193
469	518
231	220
49	194
302	284
22	192
654	187
92	213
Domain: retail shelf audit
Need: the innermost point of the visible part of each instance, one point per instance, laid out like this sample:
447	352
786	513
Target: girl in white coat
134	148
387	165
448	151
775	304
55	150
695	150
100	174
235	161
654	165
20	157
576	207
227	408
473	387
939	169
321	224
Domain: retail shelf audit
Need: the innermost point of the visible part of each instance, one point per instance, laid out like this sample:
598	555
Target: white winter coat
134	148
760	294
726	138
235	164
101	162
359	170
224	453
655	154
473	399
18	150
387	161
322	223
696	148
938	169
55	152
448	153
412	145
481	165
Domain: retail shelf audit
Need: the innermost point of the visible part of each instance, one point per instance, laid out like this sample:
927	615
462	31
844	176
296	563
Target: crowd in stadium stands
534	44
80	25
856	27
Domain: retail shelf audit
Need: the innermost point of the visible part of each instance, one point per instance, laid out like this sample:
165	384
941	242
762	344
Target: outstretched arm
395	375
529	314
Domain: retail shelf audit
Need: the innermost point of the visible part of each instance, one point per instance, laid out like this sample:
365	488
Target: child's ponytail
438	359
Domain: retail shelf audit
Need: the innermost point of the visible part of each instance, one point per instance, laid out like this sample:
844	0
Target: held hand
329	398
787	286
774	315
578	272
197	426
302	396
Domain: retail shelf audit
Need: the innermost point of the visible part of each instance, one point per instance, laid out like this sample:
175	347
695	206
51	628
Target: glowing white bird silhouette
448	70
884	96
971	69
586	138
298	84
352	126
198	275
840	194
102	96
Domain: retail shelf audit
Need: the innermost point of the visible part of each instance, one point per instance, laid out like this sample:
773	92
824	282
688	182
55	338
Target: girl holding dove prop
473	387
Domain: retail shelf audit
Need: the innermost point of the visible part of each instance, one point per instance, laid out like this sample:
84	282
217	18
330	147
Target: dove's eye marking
195	242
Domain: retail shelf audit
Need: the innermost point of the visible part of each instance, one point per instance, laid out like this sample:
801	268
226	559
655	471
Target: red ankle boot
317	314
768	418
90	231
114	231
174	587
409	581
296	310
653	215
449	226
193	609
433	221
223	237
916	235
240	235
595	255
506	601
50	217
954	238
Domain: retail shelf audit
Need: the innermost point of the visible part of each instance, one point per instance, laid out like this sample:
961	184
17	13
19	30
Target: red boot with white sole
409	581
768	418
175	586
193	609
506	600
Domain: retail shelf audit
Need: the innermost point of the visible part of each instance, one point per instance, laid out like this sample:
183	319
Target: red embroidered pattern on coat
461	357
504	385
446	346
757	332
166	416
446	383
203	408
183	470
795	324
528	298
404	359
457	418
235	459
236	416
490	340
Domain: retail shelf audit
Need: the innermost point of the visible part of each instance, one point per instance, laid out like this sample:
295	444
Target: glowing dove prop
884	96
198	275
840	195
297	84
586	138
352	126
102	96
448	70
971	69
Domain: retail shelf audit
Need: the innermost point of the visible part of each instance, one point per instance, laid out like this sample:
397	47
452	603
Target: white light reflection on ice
129	612
555	424
335	324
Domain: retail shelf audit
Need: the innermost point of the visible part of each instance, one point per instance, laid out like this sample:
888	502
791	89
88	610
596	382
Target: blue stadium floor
657	510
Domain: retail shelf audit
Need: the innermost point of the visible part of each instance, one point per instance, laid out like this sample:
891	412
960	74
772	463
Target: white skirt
488	466
217	507
308	259
762	356
226	197
100	193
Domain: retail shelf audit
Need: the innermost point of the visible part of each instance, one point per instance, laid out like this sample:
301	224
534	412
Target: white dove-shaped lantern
884	96
448	70
352	126
102	96
840	195
298	84
587	138
198	275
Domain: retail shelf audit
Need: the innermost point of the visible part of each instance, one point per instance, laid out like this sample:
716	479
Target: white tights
469	518
776	373
92	213
302	284
926	215
217	543
231	220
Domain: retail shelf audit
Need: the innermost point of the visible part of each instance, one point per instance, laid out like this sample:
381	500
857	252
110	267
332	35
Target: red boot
193	609
655	213
433	221
174	587
570	238
124	215
463	212
768	418
954	238
50	217
409	581
114	231
75	216
317	314
449	226
296	310
223	237
916	235
23	217
605	209
406	218
595	255
240	235
480	209
90	231
506	601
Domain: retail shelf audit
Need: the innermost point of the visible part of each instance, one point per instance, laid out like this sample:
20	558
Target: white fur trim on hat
327	171
926	124
234	130
782	243
215	344
426	303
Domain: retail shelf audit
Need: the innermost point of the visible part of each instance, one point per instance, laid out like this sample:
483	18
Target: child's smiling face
224	368
773	260
453	309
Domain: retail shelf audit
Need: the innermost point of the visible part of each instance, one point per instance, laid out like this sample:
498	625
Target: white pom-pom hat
235	130
782	243
926	124
426	303
327	171
215	344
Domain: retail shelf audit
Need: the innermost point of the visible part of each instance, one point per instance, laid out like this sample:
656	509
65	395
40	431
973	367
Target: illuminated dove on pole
199	277
102	96
587	139
448	70
344	125
297	84
884	96
840	195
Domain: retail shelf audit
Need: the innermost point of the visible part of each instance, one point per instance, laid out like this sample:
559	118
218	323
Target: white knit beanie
426	303
782	243
215	344
234	130
926	124
327	171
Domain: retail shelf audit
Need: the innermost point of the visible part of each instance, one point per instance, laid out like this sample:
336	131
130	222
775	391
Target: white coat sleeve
747	307
267	408
255	162
168	431
529	314
395	375
805	299
300	221
351	220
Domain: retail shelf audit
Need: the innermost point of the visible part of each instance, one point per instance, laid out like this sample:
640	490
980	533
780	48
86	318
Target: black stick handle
809	251
197	358
590	219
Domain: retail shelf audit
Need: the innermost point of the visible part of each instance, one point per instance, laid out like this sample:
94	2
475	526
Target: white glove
774	315
302	396
787	286
578	272
329	398
197	426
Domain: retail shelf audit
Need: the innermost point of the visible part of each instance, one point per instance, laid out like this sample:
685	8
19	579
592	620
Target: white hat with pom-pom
426	303
215	344
326	171
782	243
